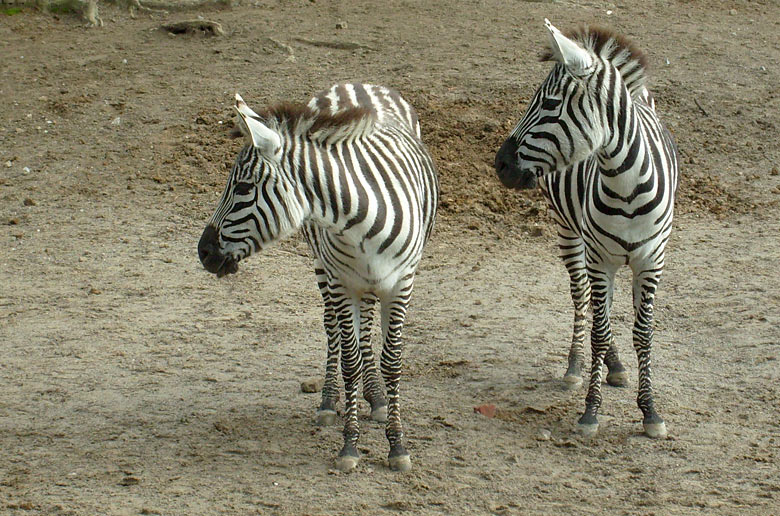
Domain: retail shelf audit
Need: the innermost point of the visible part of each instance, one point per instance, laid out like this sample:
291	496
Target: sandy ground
133	382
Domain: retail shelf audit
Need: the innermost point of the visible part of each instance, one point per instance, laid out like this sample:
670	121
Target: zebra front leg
600	338
616	375
645	285
326	413
348	314
572	252
372	390
393	317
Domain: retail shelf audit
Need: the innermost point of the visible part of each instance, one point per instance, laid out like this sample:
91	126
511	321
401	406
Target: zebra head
562	124
257	205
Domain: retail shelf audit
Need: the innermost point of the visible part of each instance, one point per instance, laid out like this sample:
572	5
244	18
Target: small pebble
543	435
312	385
341	25
29	202
732	12
116	121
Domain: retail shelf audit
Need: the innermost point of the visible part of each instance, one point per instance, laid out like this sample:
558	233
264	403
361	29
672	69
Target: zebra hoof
572	382
587	429
618	379
655	430
400	463
326	417
347	463
379	414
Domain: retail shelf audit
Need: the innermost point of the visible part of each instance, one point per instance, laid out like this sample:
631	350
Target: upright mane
320	126
615	48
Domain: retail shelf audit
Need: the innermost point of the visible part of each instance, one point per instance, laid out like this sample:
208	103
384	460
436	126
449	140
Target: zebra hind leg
372	389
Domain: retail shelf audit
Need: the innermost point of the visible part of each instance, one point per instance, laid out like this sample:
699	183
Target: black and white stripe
351	171
608	168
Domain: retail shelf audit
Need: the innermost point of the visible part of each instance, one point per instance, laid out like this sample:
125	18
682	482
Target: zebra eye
550	104
243	188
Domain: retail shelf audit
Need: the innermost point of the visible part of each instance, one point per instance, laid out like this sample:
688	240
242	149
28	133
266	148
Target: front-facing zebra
350	170
608	168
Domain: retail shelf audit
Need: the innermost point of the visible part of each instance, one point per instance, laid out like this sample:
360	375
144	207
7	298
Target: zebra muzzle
212	258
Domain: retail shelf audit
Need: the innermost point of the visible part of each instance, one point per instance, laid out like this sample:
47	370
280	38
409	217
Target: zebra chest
359	265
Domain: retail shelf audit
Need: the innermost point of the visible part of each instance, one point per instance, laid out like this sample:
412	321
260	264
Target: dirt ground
134	382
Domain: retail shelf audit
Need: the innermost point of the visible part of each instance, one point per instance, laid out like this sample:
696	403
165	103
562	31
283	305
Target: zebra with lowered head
608	168
351	171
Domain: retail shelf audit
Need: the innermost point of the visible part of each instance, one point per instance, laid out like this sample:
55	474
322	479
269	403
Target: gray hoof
379	414
587	429
655	430
400	463
347	463
572	382
326	417
619	379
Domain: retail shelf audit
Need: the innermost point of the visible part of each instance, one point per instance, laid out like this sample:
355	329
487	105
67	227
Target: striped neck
622	159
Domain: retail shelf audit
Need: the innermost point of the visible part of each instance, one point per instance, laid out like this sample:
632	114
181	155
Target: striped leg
602	280
572	252
393	317
645	284
372	390
347	312
326	414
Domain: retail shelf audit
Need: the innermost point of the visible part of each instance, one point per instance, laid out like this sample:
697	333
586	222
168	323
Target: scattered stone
29	202
116	121
488	410
9	164
543	435
129	481
205	27
732	12
536	231
341	25
94	291
13	221
312	385
774	172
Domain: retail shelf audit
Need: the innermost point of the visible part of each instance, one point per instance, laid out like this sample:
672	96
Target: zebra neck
334	196
624	163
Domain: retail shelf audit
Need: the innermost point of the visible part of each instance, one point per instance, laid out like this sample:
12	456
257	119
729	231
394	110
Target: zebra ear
264	139
575	58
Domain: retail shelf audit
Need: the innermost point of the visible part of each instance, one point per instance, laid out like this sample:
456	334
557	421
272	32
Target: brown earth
133	382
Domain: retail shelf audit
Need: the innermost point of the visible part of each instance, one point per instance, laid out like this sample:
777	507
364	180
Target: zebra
608	168
349	169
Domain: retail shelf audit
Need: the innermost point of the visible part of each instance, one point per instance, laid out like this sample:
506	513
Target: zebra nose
208	247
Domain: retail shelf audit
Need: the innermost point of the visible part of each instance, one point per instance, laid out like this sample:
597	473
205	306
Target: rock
312	385
488	410
341	25
29	202
543	435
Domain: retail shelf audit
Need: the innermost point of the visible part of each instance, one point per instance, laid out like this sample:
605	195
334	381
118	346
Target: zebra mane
320	126
615	48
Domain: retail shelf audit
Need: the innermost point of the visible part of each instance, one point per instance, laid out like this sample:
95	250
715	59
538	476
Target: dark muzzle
211	256
508	171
